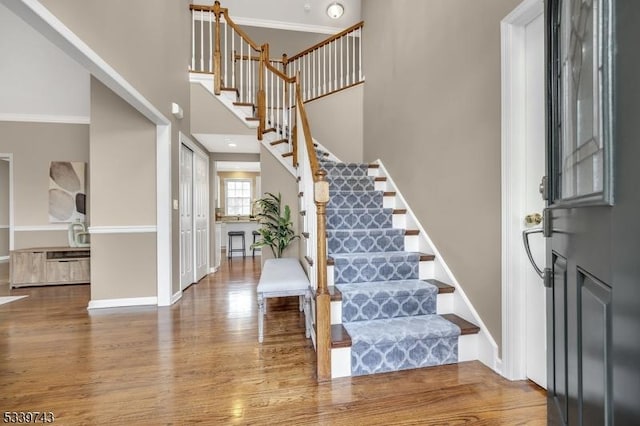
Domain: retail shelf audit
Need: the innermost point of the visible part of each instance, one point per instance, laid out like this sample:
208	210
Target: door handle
525	238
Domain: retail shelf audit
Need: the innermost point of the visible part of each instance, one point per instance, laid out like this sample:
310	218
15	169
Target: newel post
323	299
285	61
217	56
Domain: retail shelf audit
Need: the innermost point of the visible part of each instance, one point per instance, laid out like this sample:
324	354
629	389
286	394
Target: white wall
38	82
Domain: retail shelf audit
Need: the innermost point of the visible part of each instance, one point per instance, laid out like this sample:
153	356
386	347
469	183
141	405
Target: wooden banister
321	198
328	40
315	166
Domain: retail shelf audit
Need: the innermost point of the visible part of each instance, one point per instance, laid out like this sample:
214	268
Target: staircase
381	302
385	307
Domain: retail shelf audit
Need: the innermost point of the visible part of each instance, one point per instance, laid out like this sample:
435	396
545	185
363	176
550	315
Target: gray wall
432	114
336	122
123	177
34	146
211	116
149	43
283	41
276	179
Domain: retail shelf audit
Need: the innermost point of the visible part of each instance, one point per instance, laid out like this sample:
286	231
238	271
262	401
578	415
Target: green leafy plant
277	228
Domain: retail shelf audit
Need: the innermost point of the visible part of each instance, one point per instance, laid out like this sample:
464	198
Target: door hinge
544	188
547	219
546	278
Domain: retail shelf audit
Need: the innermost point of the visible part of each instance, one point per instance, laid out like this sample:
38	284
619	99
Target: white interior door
201	215
535	303
186	217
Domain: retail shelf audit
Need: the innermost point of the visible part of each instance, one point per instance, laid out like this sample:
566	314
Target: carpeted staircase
388	311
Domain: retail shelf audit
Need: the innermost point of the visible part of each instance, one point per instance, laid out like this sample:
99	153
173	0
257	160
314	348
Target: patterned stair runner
388	311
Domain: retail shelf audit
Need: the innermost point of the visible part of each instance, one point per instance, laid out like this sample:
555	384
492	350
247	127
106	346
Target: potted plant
277	228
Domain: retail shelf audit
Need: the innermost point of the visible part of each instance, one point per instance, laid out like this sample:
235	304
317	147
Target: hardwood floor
199	361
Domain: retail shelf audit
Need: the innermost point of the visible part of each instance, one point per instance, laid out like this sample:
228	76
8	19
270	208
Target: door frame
9	158
197	151
513	161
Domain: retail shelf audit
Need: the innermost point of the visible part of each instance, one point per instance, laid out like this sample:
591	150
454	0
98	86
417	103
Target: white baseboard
4	259
177	296
214	269
121	303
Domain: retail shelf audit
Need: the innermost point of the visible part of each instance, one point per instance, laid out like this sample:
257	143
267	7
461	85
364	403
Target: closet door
186	217
201	215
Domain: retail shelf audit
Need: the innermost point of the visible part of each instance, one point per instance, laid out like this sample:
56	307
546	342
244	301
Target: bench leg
307	314
260	317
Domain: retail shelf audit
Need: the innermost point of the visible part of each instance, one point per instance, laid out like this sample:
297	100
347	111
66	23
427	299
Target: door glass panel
583	97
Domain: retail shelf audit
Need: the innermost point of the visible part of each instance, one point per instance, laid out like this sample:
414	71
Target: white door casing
523	314
186	217
535	305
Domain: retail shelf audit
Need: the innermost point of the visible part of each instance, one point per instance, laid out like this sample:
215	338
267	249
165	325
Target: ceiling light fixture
335	10
232	145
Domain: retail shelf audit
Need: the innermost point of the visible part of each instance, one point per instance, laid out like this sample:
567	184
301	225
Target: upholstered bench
281	278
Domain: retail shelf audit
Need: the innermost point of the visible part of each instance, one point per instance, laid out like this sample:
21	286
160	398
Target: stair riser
341	357
359	221
404	355
365	271
444	305
426	270
365	242
363	308
362	183
356	200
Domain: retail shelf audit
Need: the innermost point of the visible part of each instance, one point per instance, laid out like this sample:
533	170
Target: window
237	197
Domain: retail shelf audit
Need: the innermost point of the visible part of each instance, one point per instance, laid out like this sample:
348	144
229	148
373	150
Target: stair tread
466	327
241	104
392	330
287	154
443	288
252	118
278	142
335	293
340	337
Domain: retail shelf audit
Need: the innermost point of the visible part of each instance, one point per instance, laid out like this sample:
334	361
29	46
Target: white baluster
341	62
226	53
277	126
193	40
360	54
233	60
353	62
329	68
201	43
211	45
324	69
347	59
335	64
241	62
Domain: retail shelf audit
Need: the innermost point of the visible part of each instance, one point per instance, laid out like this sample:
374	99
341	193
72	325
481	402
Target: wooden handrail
239	30
315	166
253	58
280	74
228	20
326	41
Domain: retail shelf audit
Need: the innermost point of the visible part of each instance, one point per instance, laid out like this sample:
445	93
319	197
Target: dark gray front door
593	217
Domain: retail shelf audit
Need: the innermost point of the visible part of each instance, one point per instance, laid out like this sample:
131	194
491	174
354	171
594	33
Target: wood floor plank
199	361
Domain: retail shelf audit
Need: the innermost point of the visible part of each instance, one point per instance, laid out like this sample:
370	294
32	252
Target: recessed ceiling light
335	10
232	145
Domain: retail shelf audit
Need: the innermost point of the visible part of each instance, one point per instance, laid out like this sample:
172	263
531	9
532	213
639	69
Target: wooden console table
50	266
